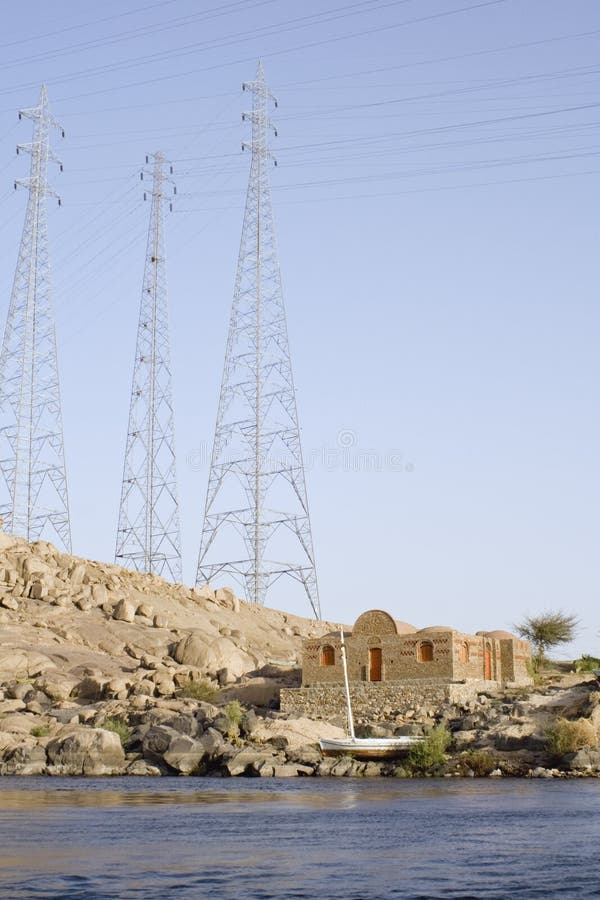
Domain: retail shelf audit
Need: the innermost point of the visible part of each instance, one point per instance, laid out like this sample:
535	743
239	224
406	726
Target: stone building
393	663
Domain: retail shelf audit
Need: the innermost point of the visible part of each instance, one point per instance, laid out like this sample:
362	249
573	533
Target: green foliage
198	690
569	735
587	663
40	731
430	752
533	666
234	712
481	762
549	629
119	726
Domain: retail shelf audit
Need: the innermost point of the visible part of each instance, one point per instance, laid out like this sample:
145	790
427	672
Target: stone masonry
392	666
376	702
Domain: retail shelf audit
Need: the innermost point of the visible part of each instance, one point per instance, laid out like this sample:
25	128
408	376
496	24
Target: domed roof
499	635
374	621
432	629
404	627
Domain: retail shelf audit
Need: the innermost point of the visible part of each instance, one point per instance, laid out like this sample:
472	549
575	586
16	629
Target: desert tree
549	629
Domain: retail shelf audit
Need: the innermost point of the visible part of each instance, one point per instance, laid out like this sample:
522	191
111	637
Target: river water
155	839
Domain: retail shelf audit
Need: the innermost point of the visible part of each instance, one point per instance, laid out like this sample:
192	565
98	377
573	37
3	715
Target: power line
271	53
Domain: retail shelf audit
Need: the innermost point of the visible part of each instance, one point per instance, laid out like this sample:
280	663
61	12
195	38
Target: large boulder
23	663
520	737
35	568
298	732
194	650
226	597
184	754
17	723
249	762
22	756
203	593
141	767
125	611
91	688
56	686
10	706
86	751
587	760
164	746
212	742
99	594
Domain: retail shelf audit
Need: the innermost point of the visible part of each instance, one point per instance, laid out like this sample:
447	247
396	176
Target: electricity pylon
256	489
33	488
148	533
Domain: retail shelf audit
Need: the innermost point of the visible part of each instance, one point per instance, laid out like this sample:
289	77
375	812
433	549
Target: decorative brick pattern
454	656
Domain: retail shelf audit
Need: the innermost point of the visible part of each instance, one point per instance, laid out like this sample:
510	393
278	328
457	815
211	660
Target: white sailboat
363	748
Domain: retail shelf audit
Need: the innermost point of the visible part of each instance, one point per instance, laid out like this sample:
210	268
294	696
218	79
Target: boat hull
369	748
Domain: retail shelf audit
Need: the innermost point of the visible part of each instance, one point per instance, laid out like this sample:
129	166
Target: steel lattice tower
33	488
148	533
256	488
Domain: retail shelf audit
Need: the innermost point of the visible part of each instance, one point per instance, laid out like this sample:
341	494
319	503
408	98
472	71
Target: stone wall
400	655
515	657
377	702
380	650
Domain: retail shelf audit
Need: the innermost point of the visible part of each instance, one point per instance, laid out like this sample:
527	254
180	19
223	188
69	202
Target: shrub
430	752
481	762
569	735
198	690
233	713
119	726
587	663
40	731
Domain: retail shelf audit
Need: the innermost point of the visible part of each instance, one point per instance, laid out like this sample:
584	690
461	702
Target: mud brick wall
400	657
450	656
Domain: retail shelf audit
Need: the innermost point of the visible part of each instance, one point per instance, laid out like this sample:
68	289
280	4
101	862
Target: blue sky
436	201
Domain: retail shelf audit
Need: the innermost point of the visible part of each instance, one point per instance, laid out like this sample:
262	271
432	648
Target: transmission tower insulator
33	484
148	533
256	495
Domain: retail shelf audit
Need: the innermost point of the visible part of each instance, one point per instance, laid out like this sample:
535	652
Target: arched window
425	651
464	652
327	655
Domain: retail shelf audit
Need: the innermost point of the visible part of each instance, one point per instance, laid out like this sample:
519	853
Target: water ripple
150	839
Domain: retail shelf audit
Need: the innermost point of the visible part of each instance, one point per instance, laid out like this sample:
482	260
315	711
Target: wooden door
488	664
375	664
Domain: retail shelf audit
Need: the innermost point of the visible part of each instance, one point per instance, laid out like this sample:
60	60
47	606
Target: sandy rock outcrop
85	751
211	657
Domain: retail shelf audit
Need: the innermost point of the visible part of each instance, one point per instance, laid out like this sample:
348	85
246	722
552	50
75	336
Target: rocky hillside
106	671
67	618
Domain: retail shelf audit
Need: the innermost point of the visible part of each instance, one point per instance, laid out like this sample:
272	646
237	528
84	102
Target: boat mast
346	685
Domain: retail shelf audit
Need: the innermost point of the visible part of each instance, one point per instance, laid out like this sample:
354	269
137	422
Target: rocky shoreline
108	672
42	733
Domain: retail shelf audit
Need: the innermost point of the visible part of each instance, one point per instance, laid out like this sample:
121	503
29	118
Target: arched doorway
327	655
425	651
375	664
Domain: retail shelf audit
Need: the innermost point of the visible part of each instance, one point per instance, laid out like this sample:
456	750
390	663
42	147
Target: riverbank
104	671
499	734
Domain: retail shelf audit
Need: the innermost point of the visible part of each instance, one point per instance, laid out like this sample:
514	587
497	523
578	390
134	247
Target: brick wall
401	658
455	656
